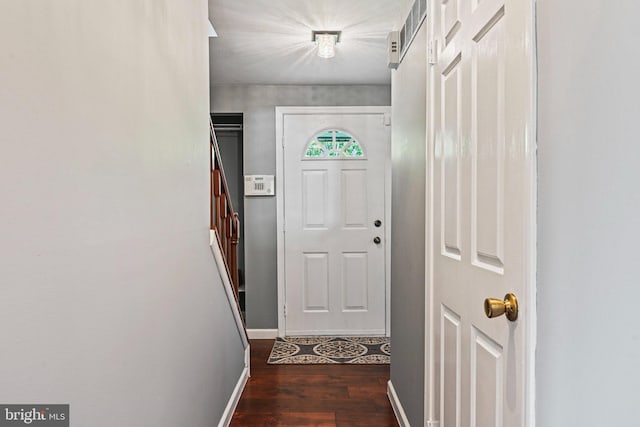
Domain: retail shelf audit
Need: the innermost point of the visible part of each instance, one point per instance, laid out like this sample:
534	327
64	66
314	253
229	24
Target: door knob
377	223
494	307
376	240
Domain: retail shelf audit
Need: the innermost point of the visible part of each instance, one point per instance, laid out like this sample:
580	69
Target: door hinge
432	52
433	424
285	310
283	141
387	119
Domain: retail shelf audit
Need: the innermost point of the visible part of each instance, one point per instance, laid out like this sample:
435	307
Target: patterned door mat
324	350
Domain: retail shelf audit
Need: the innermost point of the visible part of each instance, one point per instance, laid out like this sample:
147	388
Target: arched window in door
334	144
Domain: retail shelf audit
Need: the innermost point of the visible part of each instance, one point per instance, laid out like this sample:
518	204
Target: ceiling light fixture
326	41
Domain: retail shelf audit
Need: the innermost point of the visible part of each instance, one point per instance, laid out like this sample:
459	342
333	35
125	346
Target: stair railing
224	220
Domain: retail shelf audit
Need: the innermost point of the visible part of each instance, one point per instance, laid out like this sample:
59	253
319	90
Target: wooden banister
224	220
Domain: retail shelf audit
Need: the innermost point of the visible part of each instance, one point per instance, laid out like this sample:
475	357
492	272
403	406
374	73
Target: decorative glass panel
354	150
315	149
334	144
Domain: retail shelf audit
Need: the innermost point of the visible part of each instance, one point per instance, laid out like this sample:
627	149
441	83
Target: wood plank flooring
313	395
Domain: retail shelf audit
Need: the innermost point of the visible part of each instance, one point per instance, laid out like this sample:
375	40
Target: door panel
451	125
488	123
486	381
334	271
450	13
451	371
314	198
481	204
354	198
355	281
316	282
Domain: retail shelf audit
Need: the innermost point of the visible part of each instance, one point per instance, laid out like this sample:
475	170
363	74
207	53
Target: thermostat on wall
259	185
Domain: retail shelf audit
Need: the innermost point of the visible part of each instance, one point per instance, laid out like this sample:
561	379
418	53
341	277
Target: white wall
258	103
109	296
588	278
409	116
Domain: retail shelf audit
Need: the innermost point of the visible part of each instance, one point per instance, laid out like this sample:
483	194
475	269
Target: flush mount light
326	41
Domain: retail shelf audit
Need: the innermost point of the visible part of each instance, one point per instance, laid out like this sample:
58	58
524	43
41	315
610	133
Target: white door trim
531	332
430	411
280	113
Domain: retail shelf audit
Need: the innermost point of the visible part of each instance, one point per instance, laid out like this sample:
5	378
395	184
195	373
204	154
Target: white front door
334	223
482	201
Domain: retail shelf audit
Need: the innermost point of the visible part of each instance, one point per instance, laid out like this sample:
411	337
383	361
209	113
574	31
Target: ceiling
269	41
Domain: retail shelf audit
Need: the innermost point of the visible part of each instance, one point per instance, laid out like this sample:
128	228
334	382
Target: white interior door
482	208
334	223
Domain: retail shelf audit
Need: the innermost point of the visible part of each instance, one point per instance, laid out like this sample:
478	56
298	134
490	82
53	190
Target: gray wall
258	103
109	296
408	228
588	227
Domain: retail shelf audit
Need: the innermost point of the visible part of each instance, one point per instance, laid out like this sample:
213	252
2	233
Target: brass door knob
494	307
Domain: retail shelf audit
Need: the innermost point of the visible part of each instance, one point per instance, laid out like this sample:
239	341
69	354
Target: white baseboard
398	410
225	420
338	332
262	334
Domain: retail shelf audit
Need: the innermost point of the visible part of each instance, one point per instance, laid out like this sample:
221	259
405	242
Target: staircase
225	223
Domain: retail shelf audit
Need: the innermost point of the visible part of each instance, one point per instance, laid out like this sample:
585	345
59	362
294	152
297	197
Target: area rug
330	350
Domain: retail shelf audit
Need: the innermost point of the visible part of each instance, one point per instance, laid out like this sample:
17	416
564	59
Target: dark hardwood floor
313	395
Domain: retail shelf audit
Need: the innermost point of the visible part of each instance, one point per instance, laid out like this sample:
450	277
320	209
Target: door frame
281	112
430	411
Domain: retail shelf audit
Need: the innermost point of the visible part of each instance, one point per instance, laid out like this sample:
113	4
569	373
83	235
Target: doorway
333	212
